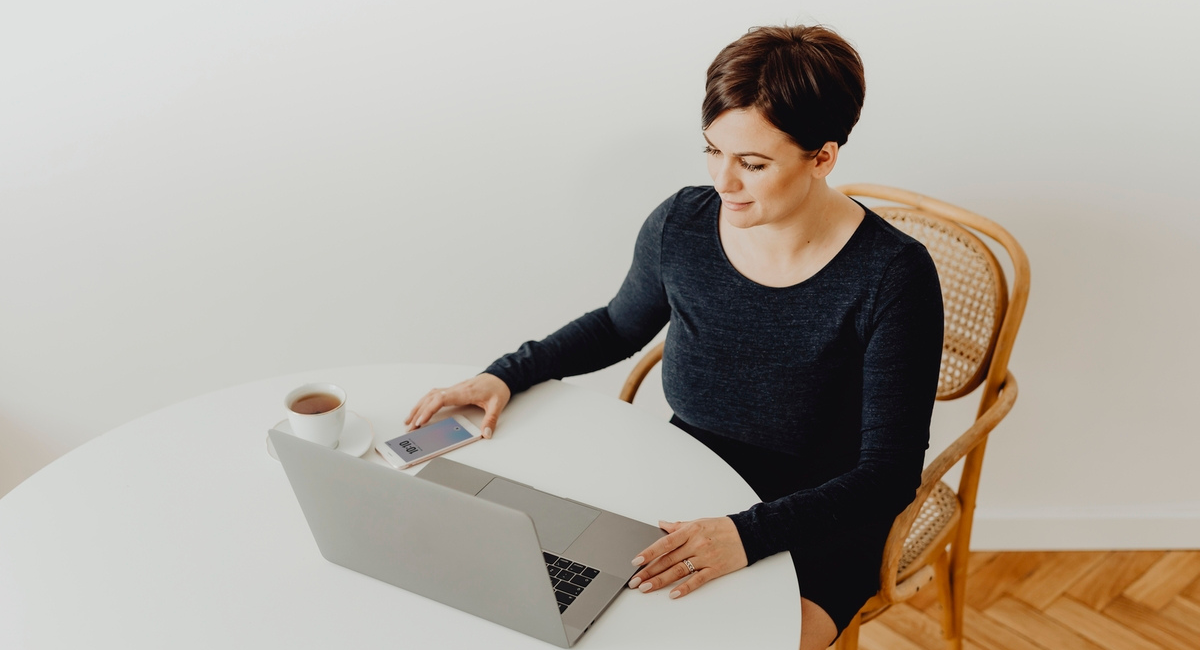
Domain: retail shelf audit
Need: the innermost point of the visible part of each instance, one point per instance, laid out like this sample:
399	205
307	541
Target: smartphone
431	440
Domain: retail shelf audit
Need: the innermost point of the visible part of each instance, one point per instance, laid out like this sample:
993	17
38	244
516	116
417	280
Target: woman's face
763	177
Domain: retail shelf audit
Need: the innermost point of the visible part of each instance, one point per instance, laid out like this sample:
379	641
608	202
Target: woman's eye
745	165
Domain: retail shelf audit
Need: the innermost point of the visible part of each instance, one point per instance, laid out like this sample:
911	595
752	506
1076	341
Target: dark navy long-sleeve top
836	374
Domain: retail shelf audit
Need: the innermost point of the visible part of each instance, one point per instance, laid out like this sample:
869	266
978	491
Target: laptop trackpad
557	521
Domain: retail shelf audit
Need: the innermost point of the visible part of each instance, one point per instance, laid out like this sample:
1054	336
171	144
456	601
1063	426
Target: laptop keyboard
569	578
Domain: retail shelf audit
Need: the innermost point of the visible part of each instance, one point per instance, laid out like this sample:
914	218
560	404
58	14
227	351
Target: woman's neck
791	250
809	224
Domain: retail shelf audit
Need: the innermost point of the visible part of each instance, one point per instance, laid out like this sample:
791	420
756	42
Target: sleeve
607	335
900	374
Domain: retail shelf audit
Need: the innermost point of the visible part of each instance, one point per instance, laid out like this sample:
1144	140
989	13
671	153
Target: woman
805	334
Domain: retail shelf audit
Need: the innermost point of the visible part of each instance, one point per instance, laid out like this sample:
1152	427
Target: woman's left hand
713	546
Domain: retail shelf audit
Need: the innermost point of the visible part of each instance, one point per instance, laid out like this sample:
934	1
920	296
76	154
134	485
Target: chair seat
936	514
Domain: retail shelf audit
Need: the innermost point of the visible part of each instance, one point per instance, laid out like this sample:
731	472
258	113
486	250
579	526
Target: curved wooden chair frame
929	542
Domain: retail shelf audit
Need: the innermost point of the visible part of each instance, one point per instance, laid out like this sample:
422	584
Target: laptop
501	550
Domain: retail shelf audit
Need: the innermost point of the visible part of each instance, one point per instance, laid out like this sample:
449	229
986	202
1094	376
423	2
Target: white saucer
357	438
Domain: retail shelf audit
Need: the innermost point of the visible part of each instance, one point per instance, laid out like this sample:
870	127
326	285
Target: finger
432	404
417	407
675	538
673	573
667	561
686	549
490	416
664	563
660	548
416	411
698	579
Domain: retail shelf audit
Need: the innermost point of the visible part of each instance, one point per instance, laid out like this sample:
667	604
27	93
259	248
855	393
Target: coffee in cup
317	412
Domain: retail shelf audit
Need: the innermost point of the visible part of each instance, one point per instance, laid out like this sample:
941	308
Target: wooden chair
930	540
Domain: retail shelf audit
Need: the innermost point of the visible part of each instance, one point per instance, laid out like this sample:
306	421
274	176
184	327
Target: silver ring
691	569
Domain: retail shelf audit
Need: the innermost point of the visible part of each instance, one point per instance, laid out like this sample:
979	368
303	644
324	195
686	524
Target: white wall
198	194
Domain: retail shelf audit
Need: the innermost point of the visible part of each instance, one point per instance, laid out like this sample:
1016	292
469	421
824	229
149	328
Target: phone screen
429	439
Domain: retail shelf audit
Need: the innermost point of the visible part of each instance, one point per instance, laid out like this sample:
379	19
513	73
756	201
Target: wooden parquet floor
1103	600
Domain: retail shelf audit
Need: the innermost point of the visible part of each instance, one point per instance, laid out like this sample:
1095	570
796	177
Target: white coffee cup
317	412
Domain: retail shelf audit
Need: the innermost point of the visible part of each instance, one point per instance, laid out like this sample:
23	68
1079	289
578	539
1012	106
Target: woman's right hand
488	392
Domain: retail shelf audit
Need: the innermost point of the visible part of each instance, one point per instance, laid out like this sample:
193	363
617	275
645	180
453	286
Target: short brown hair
807	82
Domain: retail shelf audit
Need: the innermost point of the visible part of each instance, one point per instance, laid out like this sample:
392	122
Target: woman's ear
825	160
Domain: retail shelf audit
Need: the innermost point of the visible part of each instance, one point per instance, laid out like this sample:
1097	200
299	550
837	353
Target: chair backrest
981	317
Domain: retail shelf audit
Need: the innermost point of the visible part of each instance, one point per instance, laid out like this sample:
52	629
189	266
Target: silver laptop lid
423	537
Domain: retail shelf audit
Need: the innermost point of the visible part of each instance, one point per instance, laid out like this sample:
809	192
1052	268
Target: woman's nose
725	179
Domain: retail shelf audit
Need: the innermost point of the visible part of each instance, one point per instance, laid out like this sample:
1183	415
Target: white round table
177	530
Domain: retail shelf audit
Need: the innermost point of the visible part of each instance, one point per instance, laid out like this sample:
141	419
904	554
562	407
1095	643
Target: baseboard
1097	528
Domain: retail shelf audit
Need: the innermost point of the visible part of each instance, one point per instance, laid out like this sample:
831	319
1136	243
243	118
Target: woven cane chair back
974	296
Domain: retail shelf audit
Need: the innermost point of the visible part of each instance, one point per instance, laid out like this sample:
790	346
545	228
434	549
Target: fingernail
635	582
645	587
487	432
674	594
637	561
